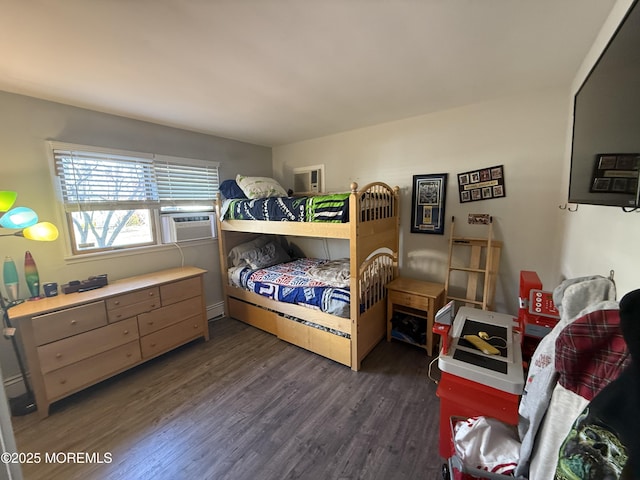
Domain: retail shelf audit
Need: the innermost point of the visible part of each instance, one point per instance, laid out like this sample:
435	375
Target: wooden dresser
76	340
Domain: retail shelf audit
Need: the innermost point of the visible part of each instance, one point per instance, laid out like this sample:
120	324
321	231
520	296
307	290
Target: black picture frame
481	184
428	203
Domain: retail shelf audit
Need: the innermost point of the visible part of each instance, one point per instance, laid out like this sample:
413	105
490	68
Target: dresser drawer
87	372
129	311
181	290
70	321
409	300
132	298
73	349
165	316
172	336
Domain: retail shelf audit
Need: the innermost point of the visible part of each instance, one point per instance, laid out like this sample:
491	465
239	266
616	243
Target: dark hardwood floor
246	405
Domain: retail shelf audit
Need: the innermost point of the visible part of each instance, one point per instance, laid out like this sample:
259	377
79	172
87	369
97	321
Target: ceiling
273	72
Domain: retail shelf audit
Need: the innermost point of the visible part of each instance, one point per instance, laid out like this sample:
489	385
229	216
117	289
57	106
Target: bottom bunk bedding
299	282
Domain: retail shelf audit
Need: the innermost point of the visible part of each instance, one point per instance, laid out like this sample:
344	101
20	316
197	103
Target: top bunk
360	212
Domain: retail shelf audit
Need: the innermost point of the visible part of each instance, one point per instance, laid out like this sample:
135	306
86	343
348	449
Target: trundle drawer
172	336
165	316
255	316
73	349
86	372
327	344
70	321
176	291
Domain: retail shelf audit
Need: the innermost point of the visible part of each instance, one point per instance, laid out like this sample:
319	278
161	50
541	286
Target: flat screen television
605	150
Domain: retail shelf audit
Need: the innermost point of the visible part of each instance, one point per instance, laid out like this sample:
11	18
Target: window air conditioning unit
308	179
182	227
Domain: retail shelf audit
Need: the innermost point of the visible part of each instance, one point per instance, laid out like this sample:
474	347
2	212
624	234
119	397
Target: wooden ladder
486	249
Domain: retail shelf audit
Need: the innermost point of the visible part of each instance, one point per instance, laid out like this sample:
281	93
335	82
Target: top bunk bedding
264	199
325	215
333	208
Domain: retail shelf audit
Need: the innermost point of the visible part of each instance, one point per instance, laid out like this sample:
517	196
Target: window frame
155	206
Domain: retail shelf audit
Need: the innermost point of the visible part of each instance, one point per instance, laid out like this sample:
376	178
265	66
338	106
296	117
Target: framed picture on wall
482	184
428	202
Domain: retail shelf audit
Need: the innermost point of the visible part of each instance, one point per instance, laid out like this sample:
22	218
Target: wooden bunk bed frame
373	235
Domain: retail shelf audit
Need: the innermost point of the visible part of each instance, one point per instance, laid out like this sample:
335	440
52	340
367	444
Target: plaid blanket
591	352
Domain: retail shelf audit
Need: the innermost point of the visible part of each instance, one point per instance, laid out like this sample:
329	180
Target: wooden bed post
354	213
223	255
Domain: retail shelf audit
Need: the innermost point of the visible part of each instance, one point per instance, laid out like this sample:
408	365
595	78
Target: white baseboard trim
14	386
215	311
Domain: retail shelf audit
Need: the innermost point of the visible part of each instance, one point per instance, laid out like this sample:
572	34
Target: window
111	198
185	184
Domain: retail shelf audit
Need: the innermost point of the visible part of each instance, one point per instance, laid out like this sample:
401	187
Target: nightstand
414	300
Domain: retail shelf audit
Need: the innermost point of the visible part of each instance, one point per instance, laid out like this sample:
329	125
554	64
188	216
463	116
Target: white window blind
91	178
186	182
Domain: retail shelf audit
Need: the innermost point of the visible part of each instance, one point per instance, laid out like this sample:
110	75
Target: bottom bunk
344	340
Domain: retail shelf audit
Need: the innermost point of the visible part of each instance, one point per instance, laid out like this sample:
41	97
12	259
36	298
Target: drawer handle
118	315
58	355
128	354
63	381
149	323
151	294
153	305
126	332
73	322
117	302
153	345
195	325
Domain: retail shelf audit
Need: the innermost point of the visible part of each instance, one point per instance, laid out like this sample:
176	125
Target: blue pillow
230	189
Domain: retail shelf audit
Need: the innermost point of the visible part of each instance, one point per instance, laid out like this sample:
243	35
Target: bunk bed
370	223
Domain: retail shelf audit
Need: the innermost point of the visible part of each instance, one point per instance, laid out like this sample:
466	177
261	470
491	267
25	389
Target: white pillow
260	187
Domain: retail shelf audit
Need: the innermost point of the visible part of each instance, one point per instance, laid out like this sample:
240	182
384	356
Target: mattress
332	208
291	283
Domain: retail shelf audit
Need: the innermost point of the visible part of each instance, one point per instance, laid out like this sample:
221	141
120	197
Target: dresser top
118	287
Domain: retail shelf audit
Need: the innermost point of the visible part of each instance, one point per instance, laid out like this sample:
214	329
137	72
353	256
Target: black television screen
605	151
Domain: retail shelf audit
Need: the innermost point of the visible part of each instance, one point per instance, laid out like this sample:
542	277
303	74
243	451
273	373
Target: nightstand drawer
409	300
171	336
70	321
87	372
73	349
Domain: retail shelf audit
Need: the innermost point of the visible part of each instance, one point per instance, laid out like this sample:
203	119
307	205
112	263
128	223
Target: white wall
25	125
526	134
598	239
